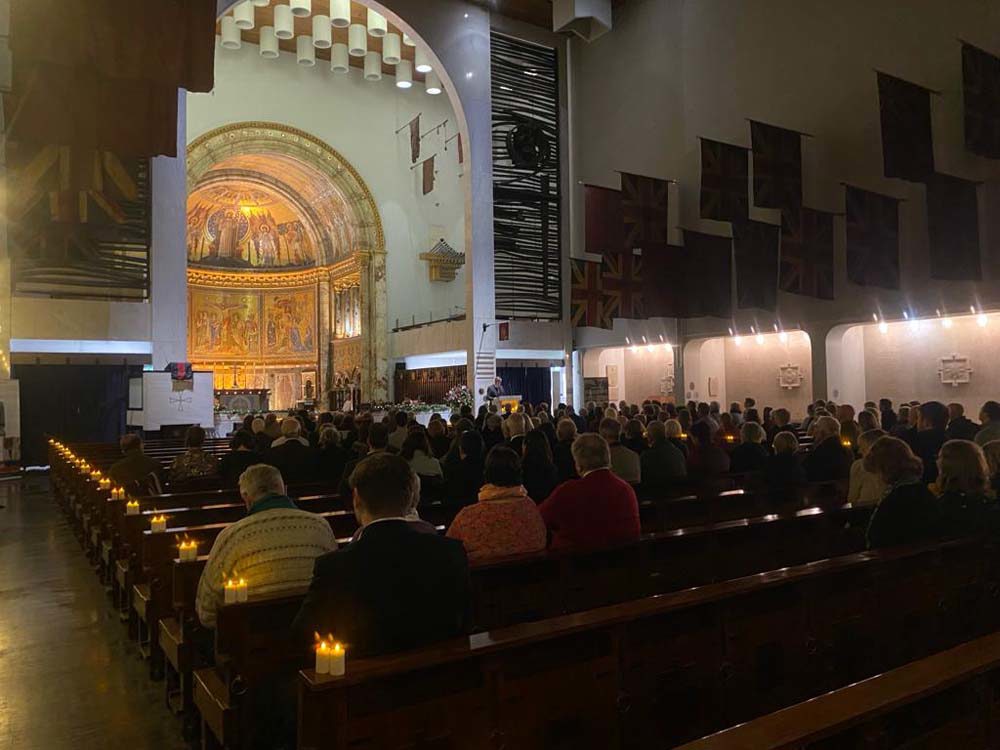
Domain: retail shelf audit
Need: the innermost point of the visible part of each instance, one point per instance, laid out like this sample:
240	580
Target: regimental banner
712	256
724	181
907	142
981	94
806	266
953	226
755	245
621	280
645	211
665	282
603	220
872	238
777	166
587	294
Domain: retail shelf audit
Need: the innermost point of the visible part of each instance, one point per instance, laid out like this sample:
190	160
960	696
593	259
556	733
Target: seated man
273	548
395	588
291	453
662	462
241	456
136	466
599	509
829	459
378	442
625	463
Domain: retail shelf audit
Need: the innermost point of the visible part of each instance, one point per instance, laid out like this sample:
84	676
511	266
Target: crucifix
180	399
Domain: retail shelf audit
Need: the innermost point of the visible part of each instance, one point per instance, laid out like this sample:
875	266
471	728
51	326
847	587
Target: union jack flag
807	252
872	239
981	94
777	166
587	294
621	279
645	213
724	181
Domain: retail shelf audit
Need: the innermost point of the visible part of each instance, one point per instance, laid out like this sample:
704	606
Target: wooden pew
649	673
947	700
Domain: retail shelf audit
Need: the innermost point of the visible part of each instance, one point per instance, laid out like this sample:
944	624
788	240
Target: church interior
451	374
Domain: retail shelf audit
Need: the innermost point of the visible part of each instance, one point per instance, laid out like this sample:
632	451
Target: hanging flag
807	252
621	280
503	331
603	220
872	238
644	211
587	294
755	245
461	151
415	139
664	270
981	94
907	143
428	175
953	226
777	166
709	259
724	181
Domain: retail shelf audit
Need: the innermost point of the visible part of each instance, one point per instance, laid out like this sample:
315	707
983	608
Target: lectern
513	403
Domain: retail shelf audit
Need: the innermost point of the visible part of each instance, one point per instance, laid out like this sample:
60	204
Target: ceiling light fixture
243	14
421	63
408	41
322	32
284	22
373	66
340	13
377	25
357	40
404	74
230	33
300	8
432	83
391	49
268	42
339	59
305	53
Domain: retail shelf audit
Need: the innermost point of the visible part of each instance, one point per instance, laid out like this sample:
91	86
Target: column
323	337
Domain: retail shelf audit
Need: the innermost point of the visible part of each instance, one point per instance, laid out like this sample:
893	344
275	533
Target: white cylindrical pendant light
373	66
377	25
305	53
432	83
243	14
268	42
421	62
340	13
301	8
230	33
408	41
357	40
284	22
261	3
322	33
391	50
339	59
404	74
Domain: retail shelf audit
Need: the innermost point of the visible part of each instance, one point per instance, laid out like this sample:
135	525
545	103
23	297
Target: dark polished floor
69	676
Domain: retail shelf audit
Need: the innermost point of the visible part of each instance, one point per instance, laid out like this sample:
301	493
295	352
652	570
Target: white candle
230	587
189	551
241	591
338	659
132	508
158	524
322	658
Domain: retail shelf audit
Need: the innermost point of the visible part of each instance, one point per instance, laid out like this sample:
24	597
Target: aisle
69	676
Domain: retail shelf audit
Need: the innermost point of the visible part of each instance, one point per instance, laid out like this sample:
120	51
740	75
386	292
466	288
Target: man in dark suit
136	466
291	453
931	434
960	427
378	442
496	390
395	587
829	459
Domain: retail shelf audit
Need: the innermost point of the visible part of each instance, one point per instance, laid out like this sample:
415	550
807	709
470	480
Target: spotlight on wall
650	348
981	320
633	349
783	337
738	340
760	339
946	322
883	327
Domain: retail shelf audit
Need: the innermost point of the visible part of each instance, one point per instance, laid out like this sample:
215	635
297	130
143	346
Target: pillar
323	377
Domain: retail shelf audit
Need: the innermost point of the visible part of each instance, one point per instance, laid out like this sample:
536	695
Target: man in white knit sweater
273	548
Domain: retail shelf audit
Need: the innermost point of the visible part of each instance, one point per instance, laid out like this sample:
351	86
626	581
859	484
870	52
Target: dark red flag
807	252
872	238
664	287
755	245
953	226
414	139
428	169
724	181
603	220
905	113
461	151
644	211
777	166
981	96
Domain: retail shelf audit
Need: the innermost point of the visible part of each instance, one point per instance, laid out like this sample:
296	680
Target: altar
242	400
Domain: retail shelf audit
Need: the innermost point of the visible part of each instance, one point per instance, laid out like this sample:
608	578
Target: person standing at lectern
496	390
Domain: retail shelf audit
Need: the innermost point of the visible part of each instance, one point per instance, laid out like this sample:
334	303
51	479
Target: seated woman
194	462
784	469
417	453
537	466
965	498
907	512
331	458
506	520
437	437
865	488
241	456
706	459
751	454
676	435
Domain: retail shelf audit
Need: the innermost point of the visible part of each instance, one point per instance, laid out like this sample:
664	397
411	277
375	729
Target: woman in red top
505	521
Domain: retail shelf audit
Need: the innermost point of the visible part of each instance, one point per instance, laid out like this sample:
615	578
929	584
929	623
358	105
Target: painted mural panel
223	324
290	323
236	226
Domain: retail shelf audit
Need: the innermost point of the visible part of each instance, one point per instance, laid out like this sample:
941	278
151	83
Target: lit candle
132	508
322	658
730	438
846	443
338	659
189	551
230	587
158	524
242	590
